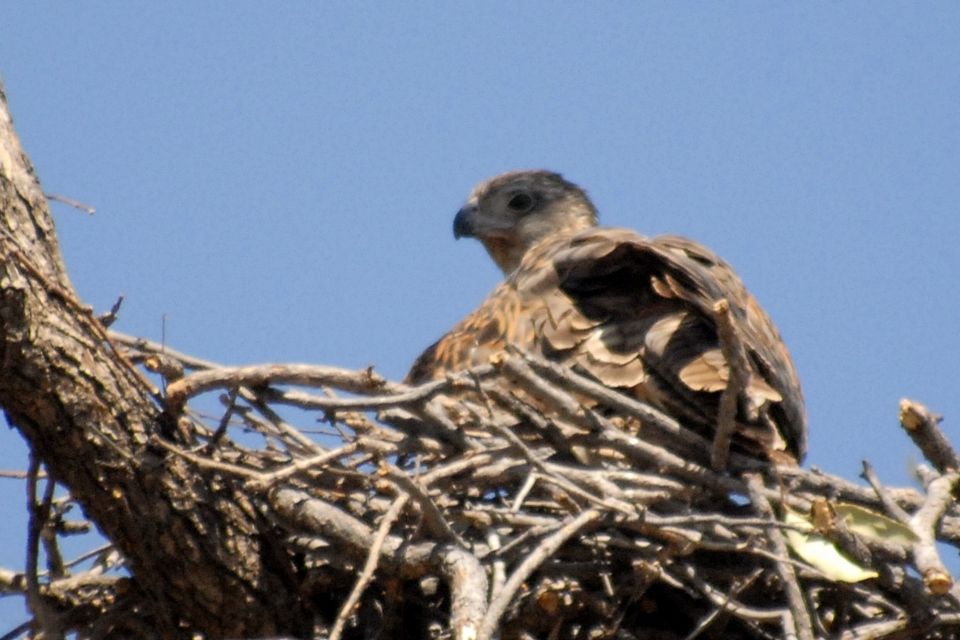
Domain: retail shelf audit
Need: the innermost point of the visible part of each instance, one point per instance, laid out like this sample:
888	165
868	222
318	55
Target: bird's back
638	315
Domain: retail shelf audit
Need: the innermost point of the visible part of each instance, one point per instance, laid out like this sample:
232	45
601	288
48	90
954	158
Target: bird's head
512	212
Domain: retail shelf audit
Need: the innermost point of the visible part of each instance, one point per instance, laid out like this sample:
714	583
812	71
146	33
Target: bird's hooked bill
464	222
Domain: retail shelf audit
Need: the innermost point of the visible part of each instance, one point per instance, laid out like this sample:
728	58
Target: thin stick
207	463
266	480
544	550
45	616
891	507
722	607
799	616
568	379
736	357
435	523
936	578
369	567
224	421
76	204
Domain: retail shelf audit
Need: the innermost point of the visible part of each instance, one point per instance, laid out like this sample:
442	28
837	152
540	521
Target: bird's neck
506	252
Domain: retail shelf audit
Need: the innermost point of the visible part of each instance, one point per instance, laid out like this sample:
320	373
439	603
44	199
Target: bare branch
545	549
735	356
924	523
799	615
923	427
373	558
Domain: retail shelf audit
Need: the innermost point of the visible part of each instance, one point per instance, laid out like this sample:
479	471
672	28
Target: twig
936	578
454	467
891	628
76	204
734	354
207	463
528	483
17	631
265	480
224	421
646	453
379	392
468	591
727	604
534	532
463	573
545	549
149	346
499	567
268	421
82	312
923	428
90	554
552	475
253	376
46	618
648	415
373	558
435	522
55	510
441	426
545	428
20	475
799	615
889	504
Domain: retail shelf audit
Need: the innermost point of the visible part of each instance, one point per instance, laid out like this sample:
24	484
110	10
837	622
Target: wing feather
636	314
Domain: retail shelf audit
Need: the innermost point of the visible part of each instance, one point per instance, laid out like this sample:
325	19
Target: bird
636	314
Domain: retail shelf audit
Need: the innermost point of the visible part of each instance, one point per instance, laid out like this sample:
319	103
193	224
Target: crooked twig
733	352
433	518
936	578
799	614
463	572
373	559
46	617
544	550
366	381
889	504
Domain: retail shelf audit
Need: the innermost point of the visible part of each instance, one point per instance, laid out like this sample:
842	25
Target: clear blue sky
279	181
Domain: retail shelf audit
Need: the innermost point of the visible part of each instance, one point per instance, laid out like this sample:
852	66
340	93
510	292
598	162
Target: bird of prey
636	314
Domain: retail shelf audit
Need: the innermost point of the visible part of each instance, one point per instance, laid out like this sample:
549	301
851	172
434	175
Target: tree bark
197	549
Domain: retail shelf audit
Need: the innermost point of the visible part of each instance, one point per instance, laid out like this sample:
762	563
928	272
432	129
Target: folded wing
637	314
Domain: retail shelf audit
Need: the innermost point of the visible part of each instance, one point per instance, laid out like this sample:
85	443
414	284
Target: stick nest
495	504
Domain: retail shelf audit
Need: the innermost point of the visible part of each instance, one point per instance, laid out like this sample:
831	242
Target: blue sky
279	181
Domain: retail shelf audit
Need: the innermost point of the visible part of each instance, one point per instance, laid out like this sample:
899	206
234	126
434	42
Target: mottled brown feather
636	314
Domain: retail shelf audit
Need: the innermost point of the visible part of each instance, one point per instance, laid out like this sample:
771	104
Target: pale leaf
821	553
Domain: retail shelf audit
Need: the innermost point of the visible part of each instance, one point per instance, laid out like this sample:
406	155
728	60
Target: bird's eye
521	202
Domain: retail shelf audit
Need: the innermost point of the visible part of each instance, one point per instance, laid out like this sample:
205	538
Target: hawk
636	314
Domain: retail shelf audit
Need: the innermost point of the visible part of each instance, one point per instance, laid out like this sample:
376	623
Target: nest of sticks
415	515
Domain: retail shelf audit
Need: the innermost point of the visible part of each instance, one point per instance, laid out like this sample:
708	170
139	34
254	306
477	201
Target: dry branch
922	427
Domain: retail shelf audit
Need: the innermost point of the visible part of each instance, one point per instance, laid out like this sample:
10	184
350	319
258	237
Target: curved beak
465	222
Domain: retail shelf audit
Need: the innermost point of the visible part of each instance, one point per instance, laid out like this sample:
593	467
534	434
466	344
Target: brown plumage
634	313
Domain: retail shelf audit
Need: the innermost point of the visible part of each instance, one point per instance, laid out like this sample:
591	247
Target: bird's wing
486	332
638	314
